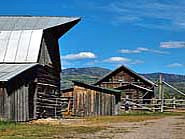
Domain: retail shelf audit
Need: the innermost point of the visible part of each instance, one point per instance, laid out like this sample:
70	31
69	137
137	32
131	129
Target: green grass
90	125
9	130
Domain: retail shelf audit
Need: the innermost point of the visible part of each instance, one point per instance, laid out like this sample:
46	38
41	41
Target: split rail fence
154	105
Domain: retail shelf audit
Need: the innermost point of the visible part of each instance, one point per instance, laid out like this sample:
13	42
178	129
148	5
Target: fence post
153	102
161	93
174	103
160	85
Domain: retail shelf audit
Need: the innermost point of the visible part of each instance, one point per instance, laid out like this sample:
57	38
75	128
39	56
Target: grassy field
60	129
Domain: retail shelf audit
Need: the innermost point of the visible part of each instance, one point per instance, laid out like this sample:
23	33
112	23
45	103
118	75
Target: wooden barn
90	100
30	66
131	83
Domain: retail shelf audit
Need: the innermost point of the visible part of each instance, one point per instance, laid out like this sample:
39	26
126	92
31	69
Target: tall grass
6	124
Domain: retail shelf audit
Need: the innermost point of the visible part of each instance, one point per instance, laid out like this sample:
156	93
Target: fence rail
153	104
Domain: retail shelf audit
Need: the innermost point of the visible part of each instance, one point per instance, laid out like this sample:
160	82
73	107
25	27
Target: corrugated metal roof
9	71
21	36
20	46
12	23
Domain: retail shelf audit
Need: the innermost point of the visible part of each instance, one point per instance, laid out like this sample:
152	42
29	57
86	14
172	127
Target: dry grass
44	131
119	119
130	117
70	128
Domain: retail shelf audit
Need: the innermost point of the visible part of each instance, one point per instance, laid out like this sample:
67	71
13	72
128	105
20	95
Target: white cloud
81	55
173	44
123	60
137	62
127	51
159	52
117	60
140	50
174	65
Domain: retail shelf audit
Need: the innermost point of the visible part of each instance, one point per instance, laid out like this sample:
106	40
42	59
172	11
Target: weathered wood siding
3	103
89	102
124	77
67	92
15	106
47	103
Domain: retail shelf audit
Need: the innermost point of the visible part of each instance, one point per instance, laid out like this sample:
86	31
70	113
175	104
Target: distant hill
87	75
167	77
92	74
90	71
97	72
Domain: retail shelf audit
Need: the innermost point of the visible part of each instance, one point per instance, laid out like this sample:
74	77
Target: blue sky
146	35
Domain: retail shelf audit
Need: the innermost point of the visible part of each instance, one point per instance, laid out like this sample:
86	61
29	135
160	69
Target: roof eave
122	66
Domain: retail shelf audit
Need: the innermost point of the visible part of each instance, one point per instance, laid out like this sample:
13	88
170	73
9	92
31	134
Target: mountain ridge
98	72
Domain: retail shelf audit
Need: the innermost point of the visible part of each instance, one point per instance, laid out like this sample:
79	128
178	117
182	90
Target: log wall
123	77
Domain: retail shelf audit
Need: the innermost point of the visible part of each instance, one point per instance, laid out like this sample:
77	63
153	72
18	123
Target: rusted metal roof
12	23
9	71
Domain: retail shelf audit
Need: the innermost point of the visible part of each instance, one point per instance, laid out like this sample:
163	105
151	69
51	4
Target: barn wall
46	102
48	76
67	92
88	102
3	99
15	105
123	77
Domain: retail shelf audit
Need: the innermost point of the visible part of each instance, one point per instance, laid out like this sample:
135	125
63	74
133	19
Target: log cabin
30	65
131	83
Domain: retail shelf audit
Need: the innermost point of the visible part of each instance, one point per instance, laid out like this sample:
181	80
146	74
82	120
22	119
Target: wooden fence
154	105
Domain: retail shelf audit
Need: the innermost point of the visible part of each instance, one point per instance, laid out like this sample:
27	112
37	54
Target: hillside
88	75
90	71
91	74
167	77
94	73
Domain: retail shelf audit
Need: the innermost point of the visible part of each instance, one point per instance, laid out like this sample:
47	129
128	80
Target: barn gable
124	75
131	83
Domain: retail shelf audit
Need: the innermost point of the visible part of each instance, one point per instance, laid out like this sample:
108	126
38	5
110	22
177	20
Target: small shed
90	100
30	65
130	82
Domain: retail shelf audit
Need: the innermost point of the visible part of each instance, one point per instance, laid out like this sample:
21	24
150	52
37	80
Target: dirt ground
105	127
165	128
